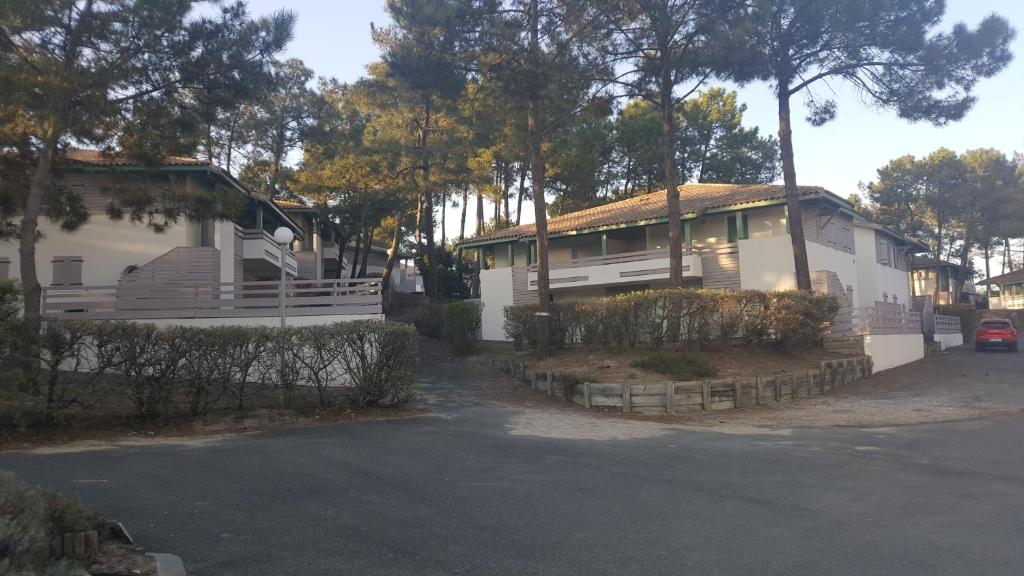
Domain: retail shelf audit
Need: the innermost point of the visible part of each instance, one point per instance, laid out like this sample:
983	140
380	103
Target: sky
333	38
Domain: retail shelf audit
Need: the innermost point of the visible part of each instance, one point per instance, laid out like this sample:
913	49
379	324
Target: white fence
947	324
886	320
212	300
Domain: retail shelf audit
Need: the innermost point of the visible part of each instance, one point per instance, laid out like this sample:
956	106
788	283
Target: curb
168	564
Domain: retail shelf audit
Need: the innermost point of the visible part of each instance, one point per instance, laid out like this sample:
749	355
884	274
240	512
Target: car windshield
995	325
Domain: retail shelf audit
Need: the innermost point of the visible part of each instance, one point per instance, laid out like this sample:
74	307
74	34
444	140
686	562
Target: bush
430	320
693	318
678	365
462	326
378	358
185	369
29	519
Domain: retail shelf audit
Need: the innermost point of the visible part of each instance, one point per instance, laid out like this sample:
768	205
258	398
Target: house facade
927	274
1011	291
735	237
205	271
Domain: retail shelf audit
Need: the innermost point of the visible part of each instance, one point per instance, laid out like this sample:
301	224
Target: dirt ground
98	433
614	365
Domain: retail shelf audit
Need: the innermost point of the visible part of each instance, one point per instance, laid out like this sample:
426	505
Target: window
944	280
67	271
733	231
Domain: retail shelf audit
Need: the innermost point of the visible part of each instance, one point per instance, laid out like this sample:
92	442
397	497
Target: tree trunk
427	201
675	232
522	191
392	252
479	212
342	243
462	221
506	177
938	260
366	252
539	205
795	215
32	291
356	252
988	269
444	218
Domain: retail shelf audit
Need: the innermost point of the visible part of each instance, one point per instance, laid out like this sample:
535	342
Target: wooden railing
210	300
886	320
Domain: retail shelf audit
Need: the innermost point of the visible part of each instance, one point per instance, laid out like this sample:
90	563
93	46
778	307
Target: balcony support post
688	235
604	243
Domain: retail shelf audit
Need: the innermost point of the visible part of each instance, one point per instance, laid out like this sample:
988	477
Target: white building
735	237
202	271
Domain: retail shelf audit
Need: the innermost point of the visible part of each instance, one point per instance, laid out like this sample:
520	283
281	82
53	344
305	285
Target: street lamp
283	236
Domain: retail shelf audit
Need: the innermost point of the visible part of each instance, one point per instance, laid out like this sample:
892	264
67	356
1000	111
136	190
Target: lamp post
283	236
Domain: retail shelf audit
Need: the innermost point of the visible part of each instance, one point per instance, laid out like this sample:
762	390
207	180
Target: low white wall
949	340
495	294
892	350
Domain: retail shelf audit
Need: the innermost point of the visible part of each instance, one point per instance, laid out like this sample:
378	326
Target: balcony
626	268
263	255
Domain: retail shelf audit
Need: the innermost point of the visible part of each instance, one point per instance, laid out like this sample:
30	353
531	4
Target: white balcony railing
629	267
211	300
947	324
886	320
260	245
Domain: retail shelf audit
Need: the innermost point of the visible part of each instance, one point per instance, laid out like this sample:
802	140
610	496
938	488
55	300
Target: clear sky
333	38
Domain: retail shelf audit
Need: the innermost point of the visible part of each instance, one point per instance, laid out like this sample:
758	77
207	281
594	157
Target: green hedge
461	326
185	369
694	318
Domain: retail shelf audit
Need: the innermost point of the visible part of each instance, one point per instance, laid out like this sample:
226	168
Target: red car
995	332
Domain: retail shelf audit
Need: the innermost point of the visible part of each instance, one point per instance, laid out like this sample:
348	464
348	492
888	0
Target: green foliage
430	320
792	320
10	320
189	370
29	519
462	326
379	360
678	365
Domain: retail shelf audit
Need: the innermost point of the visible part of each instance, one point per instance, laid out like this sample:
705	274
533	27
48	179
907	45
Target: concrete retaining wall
697	396
892	350
949	340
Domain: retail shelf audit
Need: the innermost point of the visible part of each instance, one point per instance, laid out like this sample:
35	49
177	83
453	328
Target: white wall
949	340
892	350
495	294
106	246
822	257
766	222
224	240
767	264
876	282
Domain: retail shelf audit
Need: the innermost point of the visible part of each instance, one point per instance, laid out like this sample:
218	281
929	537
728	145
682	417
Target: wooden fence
697	396
212	300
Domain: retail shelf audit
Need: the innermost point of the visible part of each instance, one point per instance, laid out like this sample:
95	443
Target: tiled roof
1008	278
292	205
929	262
105	158
864	223
693	199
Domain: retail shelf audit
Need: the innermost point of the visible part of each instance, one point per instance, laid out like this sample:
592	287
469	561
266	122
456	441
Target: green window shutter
731	225
745	233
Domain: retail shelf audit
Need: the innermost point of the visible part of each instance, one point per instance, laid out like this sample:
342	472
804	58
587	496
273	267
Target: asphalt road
485	488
